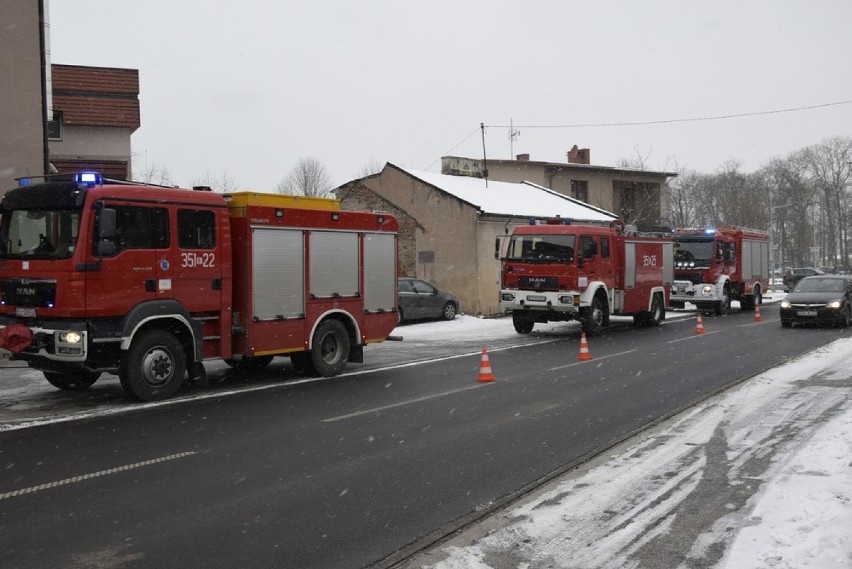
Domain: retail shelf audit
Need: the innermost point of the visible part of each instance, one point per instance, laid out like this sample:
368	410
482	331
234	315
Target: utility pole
484	158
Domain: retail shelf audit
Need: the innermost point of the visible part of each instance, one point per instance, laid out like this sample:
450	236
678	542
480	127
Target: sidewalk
757	477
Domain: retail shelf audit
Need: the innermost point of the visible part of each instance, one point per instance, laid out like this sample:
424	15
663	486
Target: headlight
70	337
707	290
835	304
507	297
785	303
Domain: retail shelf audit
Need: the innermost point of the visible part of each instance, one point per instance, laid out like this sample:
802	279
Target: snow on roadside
773	456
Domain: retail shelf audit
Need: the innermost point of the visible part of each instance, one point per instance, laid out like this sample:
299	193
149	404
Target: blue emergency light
24	181
87	179
709	231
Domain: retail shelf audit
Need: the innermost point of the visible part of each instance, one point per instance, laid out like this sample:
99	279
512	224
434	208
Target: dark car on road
420	300
793	276
821	299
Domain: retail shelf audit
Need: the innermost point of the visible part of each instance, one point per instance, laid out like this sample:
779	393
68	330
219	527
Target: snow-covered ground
757	477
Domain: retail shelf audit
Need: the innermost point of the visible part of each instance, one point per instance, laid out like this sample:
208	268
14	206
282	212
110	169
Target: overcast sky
247	88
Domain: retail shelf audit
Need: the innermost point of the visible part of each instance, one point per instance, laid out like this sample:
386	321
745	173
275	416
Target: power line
669	121
447	152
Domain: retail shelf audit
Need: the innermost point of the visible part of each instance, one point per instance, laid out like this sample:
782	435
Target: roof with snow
517	200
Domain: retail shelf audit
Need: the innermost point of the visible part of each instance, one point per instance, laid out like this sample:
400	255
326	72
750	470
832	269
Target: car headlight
70	337
785	303
835	304
707	290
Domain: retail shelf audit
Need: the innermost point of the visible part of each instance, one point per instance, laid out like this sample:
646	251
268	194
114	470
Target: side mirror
580	261
105	246
106	227
105	249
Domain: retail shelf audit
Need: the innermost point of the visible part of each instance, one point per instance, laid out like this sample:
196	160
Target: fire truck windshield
694	250
542	248
38	233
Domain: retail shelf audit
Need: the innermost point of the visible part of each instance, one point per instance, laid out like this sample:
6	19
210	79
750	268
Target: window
604	247
138	228
546	248
196	229
588	247
54	127
580	190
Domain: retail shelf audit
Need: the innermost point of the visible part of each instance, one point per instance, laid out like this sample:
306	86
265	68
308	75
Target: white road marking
49	485
694	336
591	360
401	403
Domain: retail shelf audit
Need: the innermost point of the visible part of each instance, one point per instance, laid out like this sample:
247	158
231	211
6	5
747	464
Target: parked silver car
420	300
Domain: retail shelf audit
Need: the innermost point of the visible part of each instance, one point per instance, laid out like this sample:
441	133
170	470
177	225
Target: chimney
579	155
522	157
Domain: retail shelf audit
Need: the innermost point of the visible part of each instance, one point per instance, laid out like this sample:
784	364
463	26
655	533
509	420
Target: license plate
806	313
25	312
536	298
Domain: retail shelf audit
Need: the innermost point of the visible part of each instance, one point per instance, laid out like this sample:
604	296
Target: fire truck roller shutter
629	265
379	272
335	263
278	267
668	263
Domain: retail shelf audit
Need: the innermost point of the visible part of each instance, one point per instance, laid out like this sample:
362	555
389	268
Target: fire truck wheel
449	312
71	381
155	366
724	305
302	363
594	317
330	348
658	311
522	325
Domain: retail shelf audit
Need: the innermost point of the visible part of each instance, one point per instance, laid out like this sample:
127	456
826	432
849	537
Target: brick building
449	225
95	111
630	193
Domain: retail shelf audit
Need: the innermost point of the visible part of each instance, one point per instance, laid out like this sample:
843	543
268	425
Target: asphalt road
361	470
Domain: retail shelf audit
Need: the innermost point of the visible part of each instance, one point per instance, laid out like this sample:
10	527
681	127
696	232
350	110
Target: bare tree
307	178
370	168
793	208
828	166
221	185
637	162
156	174
681	197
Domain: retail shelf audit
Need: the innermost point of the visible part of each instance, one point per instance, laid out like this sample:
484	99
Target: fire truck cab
562	271
715	266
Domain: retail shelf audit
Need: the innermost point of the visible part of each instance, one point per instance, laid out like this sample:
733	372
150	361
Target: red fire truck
149	282
558	271
715	266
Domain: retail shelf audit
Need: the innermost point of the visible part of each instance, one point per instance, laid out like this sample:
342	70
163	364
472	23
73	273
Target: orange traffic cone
699	325
485	368
757	316
584	349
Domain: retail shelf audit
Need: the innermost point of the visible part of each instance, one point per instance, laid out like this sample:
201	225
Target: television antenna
513	134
